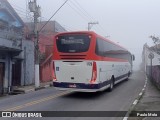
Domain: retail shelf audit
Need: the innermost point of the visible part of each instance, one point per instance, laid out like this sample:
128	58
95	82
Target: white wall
28	63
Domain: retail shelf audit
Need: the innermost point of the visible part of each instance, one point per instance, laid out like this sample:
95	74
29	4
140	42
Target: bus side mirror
133	57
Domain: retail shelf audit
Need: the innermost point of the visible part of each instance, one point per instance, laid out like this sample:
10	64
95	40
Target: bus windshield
73	43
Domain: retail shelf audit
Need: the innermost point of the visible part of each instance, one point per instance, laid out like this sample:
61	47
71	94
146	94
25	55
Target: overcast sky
126	22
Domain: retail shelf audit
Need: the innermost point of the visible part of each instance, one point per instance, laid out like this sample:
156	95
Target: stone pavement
150	101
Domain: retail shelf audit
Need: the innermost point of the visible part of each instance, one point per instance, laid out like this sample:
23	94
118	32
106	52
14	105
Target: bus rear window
73	43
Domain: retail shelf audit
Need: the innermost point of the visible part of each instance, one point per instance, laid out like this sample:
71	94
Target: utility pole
36	12
90	24
151	56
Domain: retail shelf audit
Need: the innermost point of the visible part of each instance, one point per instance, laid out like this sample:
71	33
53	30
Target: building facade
46	48
151	63
45	45
13	50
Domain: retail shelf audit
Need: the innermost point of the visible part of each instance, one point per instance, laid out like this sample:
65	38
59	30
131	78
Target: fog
126	22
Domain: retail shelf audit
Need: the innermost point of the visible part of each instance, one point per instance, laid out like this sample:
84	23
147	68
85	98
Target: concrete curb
35	89
29	90
39	88
136	101
42	87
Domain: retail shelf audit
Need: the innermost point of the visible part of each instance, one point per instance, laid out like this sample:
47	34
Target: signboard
151	56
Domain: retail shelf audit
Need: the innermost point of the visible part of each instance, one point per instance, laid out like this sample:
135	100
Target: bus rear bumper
81	87
76	90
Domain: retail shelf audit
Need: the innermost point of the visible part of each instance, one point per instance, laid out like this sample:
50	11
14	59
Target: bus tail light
53	72
94	73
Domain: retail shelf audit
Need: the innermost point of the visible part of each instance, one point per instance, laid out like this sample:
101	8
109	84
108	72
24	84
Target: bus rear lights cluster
94	73
53	73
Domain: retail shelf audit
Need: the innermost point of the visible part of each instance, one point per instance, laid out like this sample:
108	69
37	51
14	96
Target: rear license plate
72	86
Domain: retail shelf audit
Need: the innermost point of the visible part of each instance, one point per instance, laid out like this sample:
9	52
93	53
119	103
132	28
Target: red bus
86	61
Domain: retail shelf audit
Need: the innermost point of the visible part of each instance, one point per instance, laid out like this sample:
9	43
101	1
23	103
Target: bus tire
128	76
111	84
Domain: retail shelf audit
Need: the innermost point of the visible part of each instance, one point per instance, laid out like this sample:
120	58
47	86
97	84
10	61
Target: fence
152	66
154	74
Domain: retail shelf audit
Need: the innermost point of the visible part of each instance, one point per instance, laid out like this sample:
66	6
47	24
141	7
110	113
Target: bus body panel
118	70
82	74
74	70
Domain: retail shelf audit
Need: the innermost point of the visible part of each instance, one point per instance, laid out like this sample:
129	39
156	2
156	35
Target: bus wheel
128	76
111	85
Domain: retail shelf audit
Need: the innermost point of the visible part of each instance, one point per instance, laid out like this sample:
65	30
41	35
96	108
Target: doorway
1	77
16	73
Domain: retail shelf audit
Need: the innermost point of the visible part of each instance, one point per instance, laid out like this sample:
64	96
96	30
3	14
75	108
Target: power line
20	8
68	28
77	7
25	14
80	9
83	13
22	12
86	13
53	15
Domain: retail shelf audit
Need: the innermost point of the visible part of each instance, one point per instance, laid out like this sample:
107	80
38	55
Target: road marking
125	118
140	93
36	102
135	102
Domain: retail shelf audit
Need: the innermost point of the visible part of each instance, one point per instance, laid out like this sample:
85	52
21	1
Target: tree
156	40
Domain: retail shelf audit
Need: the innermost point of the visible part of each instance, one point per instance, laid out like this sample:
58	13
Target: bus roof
74	32
91	32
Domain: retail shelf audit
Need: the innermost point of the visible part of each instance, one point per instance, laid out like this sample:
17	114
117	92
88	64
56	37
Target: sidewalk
30	88
150	101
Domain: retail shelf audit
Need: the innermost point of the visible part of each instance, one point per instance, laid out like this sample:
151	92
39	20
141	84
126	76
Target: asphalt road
49	99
